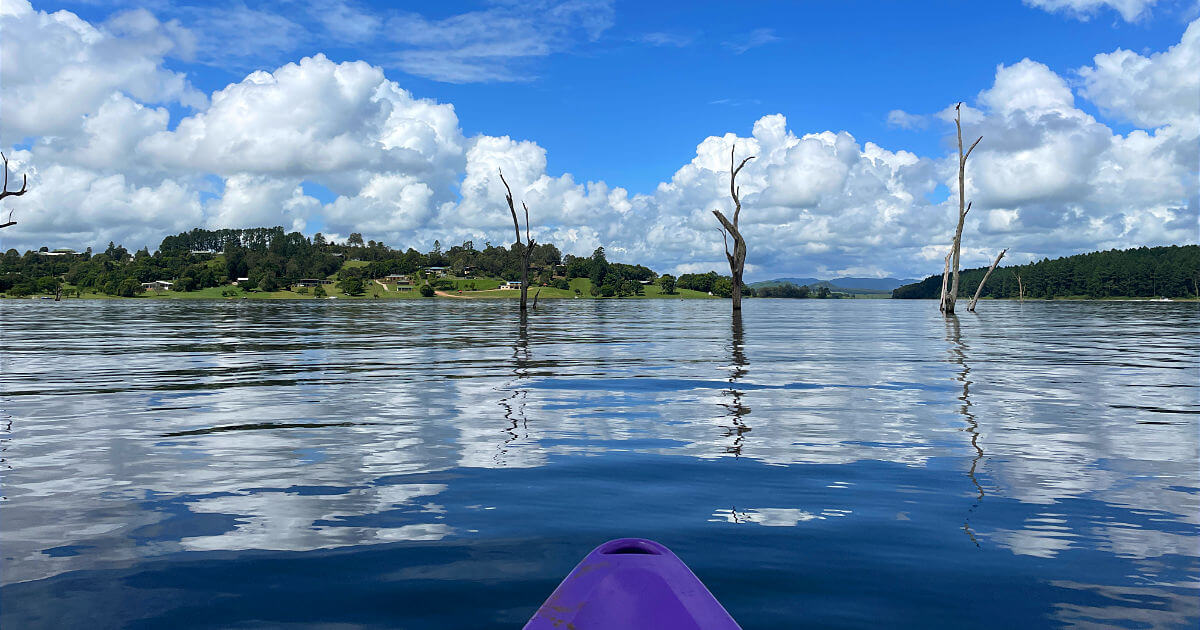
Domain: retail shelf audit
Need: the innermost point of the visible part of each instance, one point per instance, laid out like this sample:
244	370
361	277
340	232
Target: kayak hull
631	583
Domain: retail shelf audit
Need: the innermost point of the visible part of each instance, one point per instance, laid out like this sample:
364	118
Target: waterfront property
310	282
511	284
157	285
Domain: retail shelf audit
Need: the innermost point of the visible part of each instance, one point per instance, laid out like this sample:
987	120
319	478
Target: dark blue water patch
832	557
66	551
307	491
183	523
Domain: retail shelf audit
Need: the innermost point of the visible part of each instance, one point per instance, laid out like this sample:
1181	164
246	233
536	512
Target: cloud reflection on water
391	408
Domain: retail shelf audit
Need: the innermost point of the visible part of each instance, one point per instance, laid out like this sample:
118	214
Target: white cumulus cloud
1048	179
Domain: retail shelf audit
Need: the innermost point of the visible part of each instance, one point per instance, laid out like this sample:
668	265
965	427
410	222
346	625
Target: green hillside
1144	272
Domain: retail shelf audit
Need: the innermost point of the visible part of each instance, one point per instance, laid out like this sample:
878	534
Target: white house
157	285
511	284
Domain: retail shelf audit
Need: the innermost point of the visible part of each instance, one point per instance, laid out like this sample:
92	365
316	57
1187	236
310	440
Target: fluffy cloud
1130	10
315	117
1162	89
80	207
59	68
1048	179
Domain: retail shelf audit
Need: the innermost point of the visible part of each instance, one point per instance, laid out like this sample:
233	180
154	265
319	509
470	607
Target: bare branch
972	148
971	306
526	226
4	191
725	238
509	198
735	191
968	208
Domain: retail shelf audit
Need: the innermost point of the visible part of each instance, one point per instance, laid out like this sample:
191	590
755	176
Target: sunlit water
432	464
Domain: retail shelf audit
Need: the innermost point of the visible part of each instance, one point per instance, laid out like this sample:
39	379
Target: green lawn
484	288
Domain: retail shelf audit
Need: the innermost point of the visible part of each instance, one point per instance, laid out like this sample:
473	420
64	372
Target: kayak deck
631	583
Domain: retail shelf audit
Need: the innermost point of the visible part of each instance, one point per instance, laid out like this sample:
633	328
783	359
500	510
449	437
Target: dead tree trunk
978	290
5	192
736	258
1020	289
528	244
948	300
945	279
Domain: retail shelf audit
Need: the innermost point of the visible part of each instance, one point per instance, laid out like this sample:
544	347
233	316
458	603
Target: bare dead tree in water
945	278
1020	287
528	244
949	298
979	289
736	258
5	192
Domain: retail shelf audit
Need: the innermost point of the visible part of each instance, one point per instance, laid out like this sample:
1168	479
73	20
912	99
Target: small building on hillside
404	287
62	252
311	282
396	278
203	252
240	280
511	284
157	285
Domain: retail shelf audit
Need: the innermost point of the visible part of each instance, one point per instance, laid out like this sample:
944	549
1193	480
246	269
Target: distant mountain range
864	286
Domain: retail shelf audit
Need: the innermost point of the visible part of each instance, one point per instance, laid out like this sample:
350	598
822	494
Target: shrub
426	290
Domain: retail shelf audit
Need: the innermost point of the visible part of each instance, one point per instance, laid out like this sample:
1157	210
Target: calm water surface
435	465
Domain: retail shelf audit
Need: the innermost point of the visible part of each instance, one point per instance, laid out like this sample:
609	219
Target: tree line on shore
269	259
1142	272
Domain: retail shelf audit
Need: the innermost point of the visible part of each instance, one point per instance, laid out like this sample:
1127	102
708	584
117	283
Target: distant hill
800	282
875	284
1141	272
861	286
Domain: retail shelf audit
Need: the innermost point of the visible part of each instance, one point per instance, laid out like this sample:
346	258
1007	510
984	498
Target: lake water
849	463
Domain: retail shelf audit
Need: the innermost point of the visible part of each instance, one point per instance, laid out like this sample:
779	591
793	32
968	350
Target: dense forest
1144	272
270	259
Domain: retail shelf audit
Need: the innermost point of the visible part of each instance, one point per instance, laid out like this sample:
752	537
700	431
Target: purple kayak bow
631	583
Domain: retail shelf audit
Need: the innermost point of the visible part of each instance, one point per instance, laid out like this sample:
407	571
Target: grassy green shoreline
579	288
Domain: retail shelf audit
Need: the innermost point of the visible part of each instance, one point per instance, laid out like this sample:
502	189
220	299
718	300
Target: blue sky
664	75
626	93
